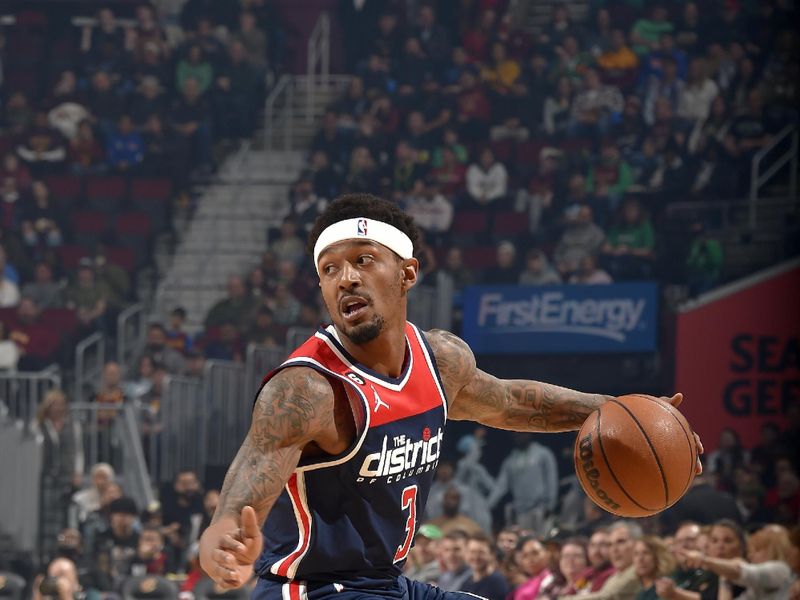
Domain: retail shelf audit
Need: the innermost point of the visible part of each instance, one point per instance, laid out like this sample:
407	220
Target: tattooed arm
294	409
516	404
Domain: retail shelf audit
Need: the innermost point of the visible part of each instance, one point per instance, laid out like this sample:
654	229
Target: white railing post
758	179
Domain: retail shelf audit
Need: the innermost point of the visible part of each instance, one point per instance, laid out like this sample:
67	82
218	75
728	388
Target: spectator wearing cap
423	564
87	296
538	270
484	580
487	181
115	549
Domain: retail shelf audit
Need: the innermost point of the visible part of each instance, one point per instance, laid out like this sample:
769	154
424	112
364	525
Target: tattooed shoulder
454	359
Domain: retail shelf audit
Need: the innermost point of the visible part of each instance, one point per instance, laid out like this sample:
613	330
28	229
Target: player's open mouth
352	307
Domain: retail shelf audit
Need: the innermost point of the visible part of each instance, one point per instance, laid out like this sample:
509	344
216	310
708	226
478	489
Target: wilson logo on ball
592	474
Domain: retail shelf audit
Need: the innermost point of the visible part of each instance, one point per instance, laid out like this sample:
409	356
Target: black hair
351	206
179	311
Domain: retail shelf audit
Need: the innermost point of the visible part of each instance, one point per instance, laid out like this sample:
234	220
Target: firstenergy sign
568	318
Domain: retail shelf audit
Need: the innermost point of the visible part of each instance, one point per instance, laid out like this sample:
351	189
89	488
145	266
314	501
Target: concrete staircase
228	232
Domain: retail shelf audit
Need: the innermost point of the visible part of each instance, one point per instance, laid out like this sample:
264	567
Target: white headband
361	228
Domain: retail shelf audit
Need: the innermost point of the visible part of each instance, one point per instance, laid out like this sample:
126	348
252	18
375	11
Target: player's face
364	285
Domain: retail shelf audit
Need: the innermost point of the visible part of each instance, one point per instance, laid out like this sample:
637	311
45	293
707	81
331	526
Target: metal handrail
21	392
125	320
758	180
319	52
82	372
270	111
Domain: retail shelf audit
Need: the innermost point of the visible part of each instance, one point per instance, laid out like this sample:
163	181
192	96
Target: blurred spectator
432	36
157	347
572	562
581	237
646	32
109	392
531	501
151	558
236	95
611	174
67	105
599	568
9	351
183	509
668	87
698	93
87	499
450	175
9	291
484	579
431	211
702	503
194	66
728	456
618	60
589	273
473	109
147	100
413	67
651	561
195	363
407	169
534	560
362	172
265	332
125	148
237	306
456	270
423	564
177	338
330	139
45	292
138	386
40	221
191	120
558	108
478	36
325	185
453	517
62	466
114	278
61	582
289	246
227	345
103	100
88	297
14	169
713	130
455	571
115	548
252	39
11	208
538	270
500	72
595	107
104	43
284	306
487	180
623	584
164	152
630	243
505	269
86	153
42	147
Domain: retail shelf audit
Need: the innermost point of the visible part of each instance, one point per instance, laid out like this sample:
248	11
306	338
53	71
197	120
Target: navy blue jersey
354	516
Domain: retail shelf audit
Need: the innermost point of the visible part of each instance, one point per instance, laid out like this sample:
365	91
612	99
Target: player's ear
410	273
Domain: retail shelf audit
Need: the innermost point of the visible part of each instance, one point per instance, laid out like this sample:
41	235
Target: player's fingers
698	443
249	523
229	542
676	400
223	558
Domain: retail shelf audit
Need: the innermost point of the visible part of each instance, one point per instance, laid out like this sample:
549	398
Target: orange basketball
635	456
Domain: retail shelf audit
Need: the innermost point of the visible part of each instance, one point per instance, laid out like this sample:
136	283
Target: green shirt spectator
645	33
633	234
196	67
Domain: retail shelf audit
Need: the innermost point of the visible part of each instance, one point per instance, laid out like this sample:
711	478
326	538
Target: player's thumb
249	523
676	400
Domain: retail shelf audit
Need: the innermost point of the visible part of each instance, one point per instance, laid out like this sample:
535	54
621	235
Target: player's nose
349	277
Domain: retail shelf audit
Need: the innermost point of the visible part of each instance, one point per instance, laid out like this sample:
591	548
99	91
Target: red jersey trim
296	488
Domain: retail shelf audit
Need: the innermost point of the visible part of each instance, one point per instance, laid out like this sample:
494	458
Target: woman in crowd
533	559
651	560
572	562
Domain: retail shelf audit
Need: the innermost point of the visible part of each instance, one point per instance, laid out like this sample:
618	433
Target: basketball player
324	496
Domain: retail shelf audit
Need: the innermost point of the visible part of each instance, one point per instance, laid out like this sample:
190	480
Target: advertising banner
515	319
738	355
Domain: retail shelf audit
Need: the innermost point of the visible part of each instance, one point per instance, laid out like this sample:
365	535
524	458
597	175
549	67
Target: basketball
635	456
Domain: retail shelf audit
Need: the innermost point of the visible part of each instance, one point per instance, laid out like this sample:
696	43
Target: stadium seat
152	196
106	193
65	190
528	153
503	150
470	222
89	227
509	224
133	230
122	257
71	254
63	320
479	257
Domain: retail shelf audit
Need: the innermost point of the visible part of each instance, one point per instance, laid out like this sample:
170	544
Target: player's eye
365	259
328	269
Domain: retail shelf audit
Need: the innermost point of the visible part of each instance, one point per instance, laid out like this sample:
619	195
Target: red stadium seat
63	320
65	190
509	224
71	254
479	257
122	257
470	222
503	150
89	223
106	193
152	196
134	223
528	153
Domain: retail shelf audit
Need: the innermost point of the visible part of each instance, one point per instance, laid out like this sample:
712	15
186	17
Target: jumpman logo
378	401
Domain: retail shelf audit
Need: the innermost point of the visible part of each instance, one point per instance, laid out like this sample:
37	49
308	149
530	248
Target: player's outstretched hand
676	402
236	552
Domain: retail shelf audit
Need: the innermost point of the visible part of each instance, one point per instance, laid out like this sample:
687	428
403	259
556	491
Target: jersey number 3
409	503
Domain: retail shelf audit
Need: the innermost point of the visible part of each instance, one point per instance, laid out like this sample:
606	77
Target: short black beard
361	334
